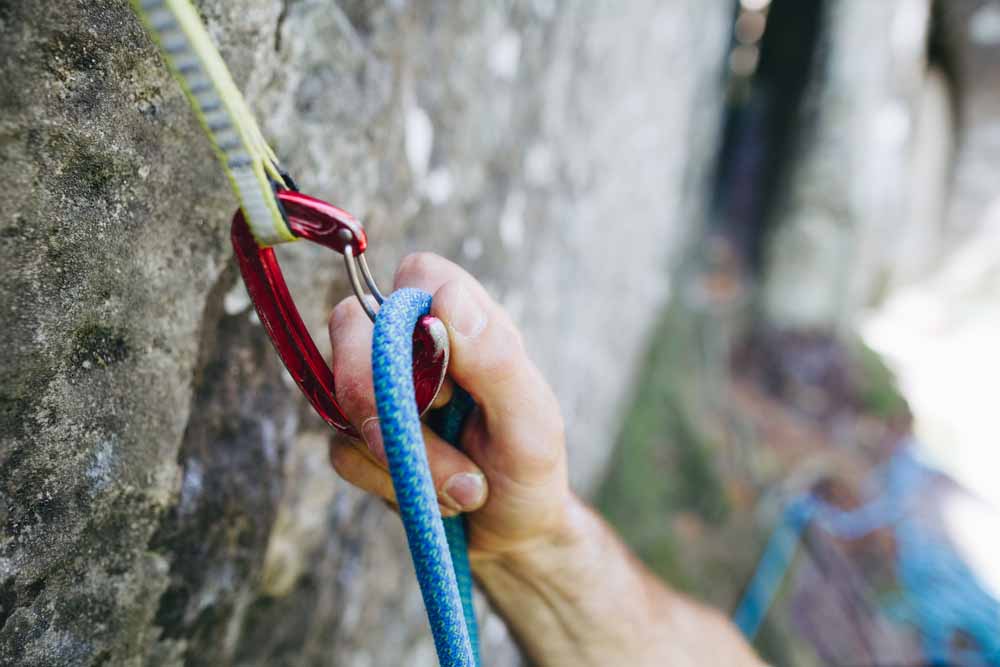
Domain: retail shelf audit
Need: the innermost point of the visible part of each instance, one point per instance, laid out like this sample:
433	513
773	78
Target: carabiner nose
352	262
327	225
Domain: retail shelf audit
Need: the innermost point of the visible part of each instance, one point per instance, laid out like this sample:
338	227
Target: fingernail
466	490
467	316
371	431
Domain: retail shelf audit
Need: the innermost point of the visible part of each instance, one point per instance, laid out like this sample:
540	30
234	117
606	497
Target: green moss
72	51
14	413
97	345
95	173
664	462
877	390
21	388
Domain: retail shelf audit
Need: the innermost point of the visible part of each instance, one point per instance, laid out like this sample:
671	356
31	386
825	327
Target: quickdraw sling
410	348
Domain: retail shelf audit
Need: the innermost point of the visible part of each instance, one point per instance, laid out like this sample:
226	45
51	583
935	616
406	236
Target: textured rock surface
163	491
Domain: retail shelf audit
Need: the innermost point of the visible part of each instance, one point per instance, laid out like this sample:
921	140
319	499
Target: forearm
583	599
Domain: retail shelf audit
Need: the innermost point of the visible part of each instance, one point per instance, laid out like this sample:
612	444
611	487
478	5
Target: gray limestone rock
164	491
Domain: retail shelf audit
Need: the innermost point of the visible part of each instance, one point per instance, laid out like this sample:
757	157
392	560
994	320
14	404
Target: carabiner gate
322	223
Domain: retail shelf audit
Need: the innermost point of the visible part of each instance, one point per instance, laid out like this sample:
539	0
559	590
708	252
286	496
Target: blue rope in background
940	594
774	563
438	548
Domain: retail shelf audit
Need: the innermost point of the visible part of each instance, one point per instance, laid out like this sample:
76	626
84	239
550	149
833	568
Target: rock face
843	207
164	492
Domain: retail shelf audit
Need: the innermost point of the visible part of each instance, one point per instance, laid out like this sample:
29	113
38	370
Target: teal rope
447	423
438	548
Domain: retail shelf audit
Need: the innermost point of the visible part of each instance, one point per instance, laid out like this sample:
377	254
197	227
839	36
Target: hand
571	593
511	478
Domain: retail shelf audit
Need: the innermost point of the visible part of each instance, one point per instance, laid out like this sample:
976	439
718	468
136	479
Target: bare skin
571	593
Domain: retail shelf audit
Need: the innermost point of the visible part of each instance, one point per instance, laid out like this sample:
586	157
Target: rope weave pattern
440	565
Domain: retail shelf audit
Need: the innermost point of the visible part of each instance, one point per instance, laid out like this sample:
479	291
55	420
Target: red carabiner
317	221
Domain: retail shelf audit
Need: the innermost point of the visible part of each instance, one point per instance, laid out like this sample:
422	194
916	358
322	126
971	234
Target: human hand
511	473
552	568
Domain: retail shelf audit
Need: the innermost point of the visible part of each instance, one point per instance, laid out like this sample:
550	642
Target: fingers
355	465
460	485
351	340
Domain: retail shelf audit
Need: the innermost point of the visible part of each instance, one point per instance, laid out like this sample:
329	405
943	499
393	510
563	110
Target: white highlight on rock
439	186
505	55
236	300
545	9
472	248
512	220
909	28
514	303
974	526
939	337
984	25
539	164
191	486
892	125
99	471
419	141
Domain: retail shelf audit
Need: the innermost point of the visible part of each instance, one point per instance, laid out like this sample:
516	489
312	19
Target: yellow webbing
244	154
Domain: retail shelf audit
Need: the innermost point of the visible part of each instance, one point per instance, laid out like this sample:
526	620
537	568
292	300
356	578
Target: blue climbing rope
941	597
438	547
774	563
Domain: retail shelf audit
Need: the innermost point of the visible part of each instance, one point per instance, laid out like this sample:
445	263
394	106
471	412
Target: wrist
562	595
568	535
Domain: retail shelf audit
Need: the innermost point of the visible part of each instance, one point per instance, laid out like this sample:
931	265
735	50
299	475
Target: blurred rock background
839	297
690	208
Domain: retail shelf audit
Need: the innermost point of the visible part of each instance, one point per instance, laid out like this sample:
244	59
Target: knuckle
341	315
351	391
506	328
556	434
506	355
541	449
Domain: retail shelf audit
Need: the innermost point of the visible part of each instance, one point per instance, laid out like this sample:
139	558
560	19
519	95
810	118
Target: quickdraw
409	367
326	225
272	211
